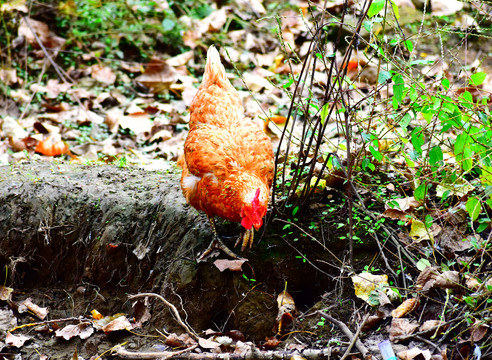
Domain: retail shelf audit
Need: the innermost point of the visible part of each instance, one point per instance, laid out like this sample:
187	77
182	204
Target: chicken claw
246	238
216	244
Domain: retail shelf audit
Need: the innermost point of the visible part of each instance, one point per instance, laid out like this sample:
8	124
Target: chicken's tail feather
214	70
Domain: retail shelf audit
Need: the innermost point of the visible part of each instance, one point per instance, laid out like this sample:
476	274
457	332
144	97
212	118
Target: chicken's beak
257	225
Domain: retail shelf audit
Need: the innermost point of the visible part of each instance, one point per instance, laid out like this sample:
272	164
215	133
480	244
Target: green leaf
395	10
168	24
474	208
477	78
417	139
294	212
288	83
409	45
435	155
325	110
422	264
419	193
384	76
375	8
398	87
377	155
445	83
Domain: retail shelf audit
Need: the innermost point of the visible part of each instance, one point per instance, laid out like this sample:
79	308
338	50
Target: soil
76	238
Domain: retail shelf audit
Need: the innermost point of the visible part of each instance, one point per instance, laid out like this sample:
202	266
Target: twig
173	310
47	322
120	351
358	344
355	339
311	354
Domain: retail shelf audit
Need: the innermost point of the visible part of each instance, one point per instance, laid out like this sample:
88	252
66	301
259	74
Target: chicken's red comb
256	200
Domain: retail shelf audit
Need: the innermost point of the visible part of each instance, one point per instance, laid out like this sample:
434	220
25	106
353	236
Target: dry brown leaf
8	76
5	293
287	311
407	306
47	38
16	340
365	283
82	330
448	280
139	123
141	312
431	327
208	344
19	5
478	331
414	353
158	75
103	74
402	327
28	305
271	343
120	323
427	278
52	146
233	265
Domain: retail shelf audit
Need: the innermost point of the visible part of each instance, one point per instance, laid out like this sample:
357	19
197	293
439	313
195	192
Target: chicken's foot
216	244
246	238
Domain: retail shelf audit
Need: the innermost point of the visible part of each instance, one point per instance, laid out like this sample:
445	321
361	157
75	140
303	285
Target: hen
228	160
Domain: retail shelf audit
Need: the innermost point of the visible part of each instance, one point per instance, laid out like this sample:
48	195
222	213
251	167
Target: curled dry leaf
120	323
405	307
233	265
286	311
52	146
208	344
478	331
271	343
82	330
365	283
431	327
402	327
5	293
28	305
158	75
413	354
448	280
427	278
103	74
141	312
16	340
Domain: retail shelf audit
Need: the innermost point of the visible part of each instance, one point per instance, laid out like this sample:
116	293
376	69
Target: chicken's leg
216	244
246	239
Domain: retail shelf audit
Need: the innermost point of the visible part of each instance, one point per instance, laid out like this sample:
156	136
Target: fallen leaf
431	327
414	353
427	278
120	323
478	330
365	283
419	231
402	327
448	280
82	330
141	312
103	74
16	340
407	306
5	293
233	265
158	75
208	344
271	343
28	305
52	146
